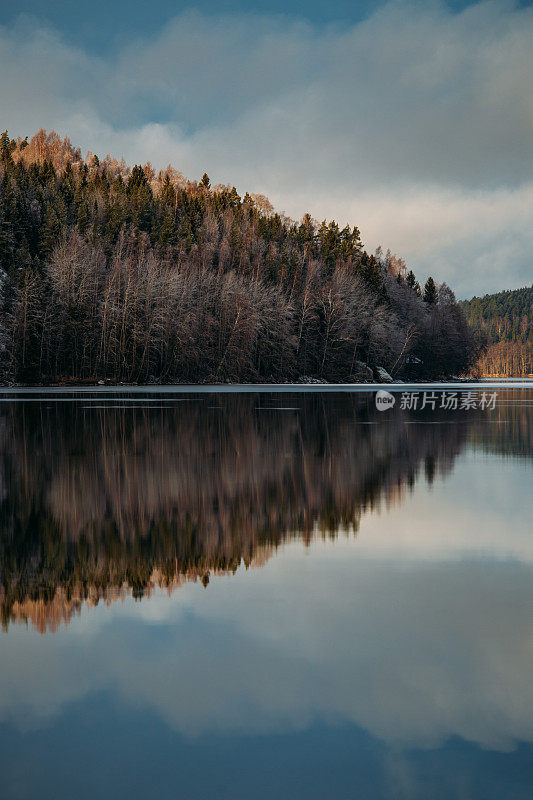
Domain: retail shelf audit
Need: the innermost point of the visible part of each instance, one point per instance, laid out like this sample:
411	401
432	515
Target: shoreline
184	388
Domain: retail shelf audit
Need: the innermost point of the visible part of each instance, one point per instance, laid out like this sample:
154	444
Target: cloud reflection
417	630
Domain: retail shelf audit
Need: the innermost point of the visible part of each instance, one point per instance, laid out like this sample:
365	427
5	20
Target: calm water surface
262	595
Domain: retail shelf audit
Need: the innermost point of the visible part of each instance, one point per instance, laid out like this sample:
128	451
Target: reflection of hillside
100	501
510	431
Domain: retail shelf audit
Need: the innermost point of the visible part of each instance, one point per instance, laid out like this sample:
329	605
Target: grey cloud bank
415	124
406	630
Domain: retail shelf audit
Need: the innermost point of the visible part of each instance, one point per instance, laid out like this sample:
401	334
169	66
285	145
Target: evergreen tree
430	292
50	231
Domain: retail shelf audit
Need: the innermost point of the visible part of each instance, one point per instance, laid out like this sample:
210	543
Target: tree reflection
101	498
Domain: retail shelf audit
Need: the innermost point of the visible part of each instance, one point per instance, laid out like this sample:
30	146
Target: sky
412	120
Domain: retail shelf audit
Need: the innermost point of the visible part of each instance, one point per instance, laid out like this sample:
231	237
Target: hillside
506	319
125	274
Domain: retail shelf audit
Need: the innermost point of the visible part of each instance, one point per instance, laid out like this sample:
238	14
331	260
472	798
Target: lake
266	594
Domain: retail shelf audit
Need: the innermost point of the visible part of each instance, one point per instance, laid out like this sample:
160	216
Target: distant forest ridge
109	272
506	320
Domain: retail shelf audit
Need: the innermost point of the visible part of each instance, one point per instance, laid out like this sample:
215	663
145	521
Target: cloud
416	124
413	652
415	631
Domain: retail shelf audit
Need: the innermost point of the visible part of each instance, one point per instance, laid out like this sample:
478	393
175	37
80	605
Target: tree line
507	359
128	274
506	320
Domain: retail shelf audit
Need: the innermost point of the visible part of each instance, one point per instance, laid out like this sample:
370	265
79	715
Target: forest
130	275
506	320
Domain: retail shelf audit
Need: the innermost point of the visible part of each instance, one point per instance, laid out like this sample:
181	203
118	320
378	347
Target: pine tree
167	234
430	292
234	197
51	230
6	236
83	218
410	280
168	193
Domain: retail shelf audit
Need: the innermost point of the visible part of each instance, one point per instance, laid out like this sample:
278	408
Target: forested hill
505	316
506	319
128	274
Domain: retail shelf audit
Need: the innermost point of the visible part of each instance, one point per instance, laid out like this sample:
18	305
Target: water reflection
383	648
99	499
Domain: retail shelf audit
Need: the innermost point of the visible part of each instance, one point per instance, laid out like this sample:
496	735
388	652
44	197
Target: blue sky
411	119
100	23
